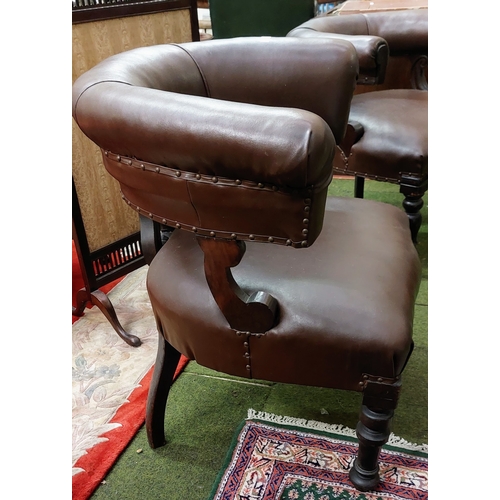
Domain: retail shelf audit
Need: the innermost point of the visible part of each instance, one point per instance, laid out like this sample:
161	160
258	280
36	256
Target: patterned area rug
110	381
281	458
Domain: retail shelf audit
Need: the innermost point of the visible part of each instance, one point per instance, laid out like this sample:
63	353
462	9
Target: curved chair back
286	95
377	36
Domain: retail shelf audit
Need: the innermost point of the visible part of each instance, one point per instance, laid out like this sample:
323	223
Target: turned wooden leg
167	359
359	186
412	206
380	398
373	431
413	188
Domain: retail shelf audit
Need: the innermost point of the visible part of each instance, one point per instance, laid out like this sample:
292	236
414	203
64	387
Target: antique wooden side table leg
101	300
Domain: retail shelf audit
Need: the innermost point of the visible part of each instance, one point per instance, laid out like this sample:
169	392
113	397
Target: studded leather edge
367	378
194	177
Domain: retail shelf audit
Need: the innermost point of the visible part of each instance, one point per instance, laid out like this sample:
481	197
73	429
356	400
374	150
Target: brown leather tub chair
231	142
387	135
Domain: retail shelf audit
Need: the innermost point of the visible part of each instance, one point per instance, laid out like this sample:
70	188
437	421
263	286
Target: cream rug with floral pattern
110	381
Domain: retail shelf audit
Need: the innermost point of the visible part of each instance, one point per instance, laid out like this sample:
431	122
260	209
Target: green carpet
205	407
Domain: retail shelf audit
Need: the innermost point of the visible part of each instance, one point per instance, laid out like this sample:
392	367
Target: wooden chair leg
373	431
359	186
380	398
167	359
412	206
413	189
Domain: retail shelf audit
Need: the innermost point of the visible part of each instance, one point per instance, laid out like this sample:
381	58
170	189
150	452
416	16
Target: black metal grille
98	10
116	257
81	4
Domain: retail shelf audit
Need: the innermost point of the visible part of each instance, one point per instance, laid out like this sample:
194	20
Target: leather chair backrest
406	31
242	132
377	36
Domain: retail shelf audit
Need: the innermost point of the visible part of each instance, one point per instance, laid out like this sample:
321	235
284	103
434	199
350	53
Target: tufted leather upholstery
231	141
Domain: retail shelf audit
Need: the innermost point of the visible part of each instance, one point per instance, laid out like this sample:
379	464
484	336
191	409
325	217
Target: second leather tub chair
231	142
387	135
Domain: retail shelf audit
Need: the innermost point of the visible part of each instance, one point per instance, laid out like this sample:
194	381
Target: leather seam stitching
202	75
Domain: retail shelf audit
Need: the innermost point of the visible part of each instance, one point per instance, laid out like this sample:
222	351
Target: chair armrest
210	166
232	138
372	51
404	32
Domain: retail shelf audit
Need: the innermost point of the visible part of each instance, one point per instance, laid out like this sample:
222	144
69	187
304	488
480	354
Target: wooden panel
105	216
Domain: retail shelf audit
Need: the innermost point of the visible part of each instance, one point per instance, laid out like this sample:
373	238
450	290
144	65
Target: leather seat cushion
395	135
346	302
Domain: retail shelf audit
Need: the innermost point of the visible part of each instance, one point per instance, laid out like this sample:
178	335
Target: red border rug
280	458
110	382
102	456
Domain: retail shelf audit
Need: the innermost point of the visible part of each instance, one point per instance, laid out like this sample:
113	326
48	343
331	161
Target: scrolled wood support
254	313
418	73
